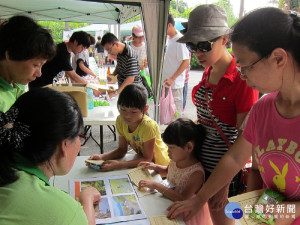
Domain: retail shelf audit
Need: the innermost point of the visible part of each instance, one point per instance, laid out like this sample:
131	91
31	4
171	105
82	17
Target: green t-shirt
32	201
9	94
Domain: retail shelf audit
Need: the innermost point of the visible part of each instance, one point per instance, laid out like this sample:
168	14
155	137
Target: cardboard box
78	92
103	88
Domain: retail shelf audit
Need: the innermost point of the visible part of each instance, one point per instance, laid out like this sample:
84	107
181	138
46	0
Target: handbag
238	184
146	84
167	107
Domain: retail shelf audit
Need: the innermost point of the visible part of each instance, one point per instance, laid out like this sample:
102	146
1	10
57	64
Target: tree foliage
288	4
182	6
135	18
56	28
225	4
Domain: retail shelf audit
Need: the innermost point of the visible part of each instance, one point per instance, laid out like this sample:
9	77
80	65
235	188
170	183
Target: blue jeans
185	89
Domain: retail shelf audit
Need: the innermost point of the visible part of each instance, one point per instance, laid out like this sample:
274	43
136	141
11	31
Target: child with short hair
184	139
136	129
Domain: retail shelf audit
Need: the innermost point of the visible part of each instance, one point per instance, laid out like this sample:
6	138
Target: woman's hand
190	207
89	195
282	221
287	215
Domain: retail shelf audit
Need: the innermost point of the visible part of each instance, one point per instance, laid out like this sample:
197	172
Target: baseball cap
137	30
206	22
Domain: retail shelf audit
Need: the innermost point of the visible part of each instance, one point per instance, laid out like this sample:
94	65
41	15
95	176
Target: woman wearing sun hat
221	97
138	45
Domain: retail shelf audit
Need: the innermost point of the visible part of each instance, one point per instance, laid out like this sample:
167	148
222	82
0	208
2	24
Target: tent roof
104	12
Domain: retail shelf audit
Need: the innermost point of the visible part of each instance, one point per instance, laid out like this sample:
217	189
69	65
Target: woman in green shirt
39	139
24	48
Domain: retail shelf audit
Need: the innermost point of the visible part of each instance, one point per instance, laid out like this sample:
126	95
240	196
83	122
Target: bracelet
163	193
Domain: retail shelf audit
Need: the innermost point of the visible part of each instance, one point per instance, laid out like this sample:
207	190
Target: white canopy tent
154	15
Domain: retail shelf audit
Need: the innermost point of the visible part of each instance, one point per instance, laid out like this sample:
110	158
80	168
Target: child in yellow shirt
136	129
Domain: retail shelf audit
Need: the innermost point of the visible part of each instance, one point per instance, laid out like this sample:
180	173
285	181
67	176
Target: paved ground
109	144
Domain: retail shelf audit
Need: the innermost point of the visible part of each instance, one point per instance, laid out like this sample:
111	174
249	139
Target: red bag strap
215	123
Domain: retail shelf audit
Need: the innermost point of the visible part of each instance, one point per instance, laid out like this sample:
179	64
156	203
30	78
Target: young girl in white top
185	173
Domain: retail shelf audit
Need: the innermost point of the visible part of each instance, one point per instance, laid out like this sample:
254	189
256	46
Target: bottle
108	71
102	77
90	97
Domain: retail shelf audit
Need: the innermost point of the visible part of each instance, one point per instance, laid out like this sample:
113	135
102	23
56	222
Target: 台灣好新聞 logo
233	210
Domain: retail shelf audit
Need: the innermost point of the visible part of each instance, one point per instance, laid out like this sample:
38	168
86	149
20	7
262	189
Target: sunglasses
133	35
203	46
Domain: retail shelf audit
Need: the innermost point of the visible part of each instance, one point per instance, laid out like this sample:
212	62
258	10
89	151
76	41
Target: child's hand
96	157
109	165
147	184
92	166
148	165
93	157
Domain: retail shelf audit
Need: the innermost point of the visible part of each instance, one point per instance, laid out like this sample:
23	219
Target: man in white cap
176	62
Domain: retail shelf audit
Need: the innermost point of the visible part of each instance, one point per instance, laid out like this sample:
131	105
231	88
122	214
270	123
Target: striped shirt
230	97
214	147
128	66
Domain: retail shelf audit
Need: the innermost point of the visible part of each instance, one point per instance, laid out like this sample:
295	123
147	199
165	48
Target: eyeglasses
242	70
203	46
109	50
83	139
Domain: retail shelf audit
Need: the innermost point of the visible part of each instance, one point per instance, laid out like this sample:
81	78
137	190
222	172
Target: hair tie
293	13
295	16
12	132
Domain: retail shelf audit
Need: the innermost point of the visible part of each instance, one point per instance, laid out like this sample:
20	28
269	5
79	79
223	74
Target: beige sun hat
205	23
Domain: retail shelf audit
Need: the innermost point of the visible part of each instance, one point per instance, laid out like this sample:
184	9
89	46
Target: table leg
88	129
101	139
113	130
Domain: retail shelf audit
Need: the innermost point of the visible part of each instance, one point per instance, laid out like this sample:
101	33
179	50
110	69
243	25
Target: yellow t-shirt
147	130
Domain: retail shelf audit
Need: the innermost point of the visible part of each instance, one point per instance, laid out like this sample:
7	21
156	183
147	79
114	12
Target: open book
118	199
